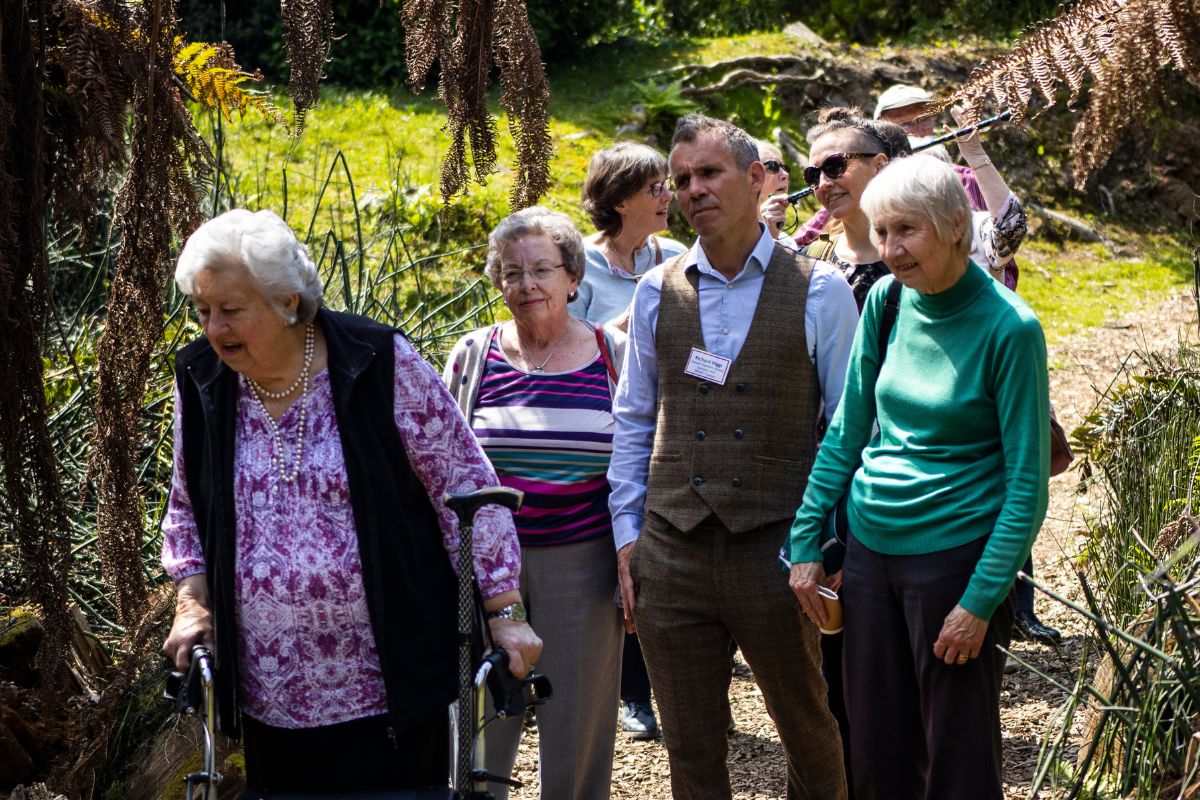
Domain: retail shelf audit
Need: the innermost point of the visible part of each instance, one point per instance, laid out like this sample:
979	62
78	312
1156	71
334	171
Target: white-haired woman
306	530
537	391
945	499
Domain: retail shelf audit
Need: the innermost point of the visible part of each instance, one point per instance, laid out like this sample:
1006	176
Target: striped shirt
549	435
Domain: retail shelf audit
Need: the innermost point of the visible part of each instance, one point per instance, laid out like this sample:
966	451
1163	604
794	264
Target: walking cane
1004	116
509	694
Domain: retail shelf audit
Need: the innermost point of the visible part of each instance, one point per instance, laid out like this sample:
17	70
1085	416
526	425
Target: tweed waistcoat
743	450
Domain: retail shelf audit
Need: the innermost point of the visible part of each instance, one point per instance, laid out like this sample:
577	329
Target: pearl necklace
541	368
304	381
310	342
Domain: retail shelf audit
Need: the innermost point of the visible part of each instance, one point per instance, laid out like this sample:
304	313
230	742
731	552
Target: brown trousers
697	592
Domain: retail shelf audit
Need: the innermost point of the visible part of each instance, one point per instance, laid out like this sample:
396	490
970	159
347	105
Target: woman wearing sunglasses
626	193
848	150
774	208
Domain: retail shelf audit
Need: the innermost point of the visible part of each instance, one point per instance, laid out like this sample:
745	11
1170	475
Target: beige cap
900	96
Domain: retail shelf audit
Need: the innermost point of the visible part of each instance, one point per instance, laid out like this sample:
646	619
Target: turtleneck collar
945	303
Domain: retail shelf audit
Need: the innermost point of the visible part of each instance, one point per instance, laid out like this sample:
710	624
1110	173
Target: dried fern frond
468	37
155	202
307	29
526	98
34	507
215	80
464	89
425	31
1126	48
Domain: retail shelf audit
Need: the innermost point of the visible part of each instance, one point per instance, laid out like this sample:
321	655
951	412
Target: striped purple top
549	435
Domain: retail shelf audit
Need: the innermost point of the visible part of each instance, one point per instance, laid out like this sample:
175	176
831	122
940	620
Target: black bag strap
891	310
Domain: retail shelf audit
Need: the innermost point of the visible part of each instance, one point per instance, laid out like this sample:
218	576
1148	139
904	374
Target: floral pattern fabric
307	650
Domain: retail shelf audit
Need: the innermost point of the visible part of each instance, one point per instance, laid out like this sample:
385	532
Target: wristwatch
513	611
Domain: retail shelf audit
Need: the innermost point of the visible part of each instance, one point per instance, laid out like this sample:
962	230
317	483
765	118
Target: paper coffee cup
833	610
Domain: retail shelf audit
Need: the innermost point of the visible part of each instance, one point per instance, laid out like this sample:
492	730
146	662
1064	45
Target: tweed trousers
570	591
698	591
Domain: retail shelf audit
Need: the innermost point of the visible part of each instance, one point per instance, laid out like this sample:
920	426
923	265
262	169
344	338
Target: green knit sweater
962	450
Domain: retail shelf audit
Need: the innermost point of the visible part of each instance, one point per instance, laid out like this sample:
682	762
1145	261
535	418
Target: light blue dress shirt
606	291
726	311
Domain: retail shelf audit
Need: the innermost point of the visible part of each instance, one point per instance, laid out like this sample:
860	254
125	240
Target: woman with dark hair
626	193
847	151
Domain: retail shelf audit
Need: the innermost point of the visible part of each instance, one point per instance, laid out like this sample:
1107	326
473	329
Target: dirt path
1078	367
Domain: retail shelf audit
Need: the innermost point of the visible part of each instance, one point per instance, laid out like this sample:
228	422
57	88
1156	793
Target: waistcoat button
700	435
741	387
739	433
697	481
737	481
704	388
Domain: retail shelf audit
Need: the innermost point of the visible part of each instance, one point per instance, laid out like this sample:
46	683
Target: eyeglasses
834	166
774	166
514	277
658	187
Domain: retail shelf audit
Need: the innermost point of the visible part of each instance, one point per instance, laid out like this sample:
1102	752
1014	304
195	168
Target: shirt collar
764	248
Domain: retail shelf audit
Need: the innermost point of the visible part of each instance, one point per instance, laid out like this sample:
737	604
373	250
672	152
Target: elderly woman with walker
307	530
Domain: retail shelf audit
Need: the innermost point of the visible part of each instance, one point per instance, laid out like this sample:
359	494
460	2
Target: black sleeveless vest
411	589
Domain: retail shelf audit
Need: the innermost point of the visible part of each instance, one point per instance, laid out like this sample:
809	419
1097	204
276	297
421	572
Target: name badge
707	366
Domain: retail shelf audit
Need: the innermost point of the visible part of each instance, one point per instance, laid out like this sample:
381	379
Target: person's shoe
1028	629
732	728
1011	665
637	720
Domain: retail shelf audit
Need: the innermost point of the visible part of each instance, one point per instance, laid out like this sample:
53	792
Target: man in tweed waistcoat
736	348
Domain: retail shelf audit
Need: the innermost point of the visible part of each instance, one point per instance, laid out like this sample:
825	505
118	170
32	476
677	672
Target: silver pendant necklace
540	368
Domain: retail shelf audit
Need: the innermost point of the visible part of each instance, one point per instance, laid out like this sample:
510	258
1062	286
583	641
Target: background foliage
369	49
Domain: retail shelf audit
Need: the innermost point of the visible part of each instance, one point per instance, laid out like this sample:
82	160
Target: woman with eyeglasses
626	193
848	150
537	392
774	207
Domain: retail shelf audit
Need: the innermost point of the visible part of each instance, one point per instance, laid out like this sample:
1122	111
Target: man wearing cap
733	348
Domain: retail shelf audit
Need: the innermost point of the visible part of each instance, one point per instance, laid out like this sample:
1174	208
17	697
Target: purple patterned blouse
304	634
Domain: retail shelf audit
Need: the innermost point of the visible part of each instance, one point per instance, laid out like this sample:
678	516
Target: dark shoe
637	720
1029	629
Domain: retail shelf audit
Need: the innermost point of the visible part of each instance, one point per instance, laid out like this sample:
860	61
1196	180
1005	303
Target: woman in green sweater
946	497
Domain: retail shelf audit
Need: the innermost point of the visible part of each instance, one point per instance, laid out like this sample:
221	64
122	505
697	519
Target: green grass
392	142
393	139
1084	286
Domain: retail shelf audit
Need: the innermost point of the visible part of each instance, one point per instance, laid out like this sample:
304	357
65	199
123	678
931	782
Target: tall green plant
1140	579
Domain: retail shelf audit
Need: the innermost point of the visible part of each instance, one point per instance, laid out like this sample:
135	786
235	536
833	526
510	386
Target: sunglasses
774	166
834	166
